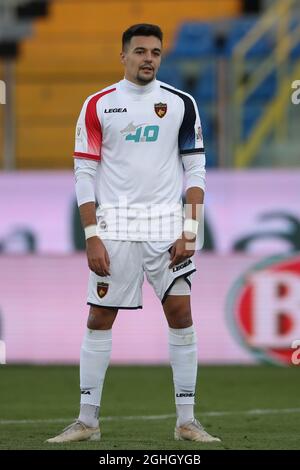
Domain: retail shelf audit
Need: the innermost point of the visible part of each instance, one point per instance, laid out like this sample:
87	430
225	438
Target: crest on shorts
161	109
102	288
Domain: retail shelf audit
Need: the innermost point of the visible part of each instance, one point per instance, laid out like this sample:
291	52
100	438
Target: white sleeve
88	136
85	173
194	167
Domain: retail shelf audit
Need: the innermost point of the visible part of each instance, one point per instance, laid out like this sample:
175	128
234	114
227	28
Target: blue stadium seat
209	134
207	122
239	28
171	74
266	44
295	52
251	115
265	91
194	40
206	88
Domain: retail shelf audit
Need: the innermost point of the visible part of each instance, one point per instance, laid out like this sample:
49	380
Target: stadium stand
75	51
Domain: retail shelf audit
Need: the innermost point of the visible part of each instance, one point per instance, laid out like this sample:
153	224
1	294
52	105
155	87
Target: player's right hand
98	259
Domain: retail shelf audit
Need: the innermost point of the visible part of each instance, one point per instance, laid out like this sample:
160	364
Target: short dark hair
142	29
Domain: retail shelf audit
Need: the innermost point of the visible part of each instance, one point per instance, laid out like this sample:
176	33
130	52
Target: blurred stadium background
241	61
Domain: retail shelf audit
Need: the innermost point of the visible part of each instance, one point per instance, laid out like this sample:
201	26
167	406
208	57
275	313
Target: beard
145	79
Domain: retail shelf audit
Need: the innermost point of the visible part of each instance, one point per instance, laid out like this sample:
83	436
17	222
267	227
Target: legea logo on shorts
263	309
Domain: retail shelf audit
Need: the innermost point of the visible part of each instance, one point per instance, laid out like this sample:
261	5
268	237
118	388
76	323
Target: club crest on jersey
102	288
161	109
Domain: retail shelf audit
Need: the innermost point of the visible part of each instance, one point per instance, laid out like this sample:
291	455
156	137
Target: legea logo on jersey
115	110
140	133
263	309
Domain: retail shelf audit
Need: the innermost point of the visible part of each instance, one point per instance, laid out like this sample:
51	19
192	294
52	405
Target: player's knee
181	321
179	316
101	318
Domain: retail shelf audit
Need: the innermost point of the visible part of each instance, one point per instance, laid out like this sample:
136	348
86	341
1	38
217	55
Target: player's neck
132	87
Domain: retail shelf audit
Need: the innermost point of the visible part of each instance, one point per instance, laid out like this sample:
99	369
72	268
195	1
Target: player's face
142	59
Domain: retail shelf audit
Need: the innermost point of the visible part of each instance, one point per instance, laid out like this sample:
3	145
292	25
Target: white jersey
138	135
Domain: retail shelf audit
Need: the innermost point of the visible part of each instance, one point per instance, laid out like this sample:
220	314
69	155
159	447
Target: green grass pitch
255	407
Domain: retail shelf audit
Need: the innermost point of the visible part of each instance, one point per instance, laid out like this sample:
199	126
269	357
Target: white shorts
129	260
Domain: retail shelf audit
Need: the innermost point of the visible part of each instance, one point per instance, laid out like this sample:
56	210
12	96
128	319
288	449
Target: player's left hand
182	249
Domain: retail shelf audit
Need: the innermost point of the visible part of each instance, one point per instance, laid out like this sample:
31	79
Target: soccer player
135	142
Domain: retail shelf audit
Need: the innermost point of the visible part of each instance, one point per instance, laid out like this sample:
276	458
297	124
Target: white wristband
90	231
191	225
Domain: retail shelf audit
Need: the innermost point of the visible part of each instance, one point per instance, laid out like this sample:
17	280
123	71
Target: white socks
94	360
95	357
89	415
185	413
184	362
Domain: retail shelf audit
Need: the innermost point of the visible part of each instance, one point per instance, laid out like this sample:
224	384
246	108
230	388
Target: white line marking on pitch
155	417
